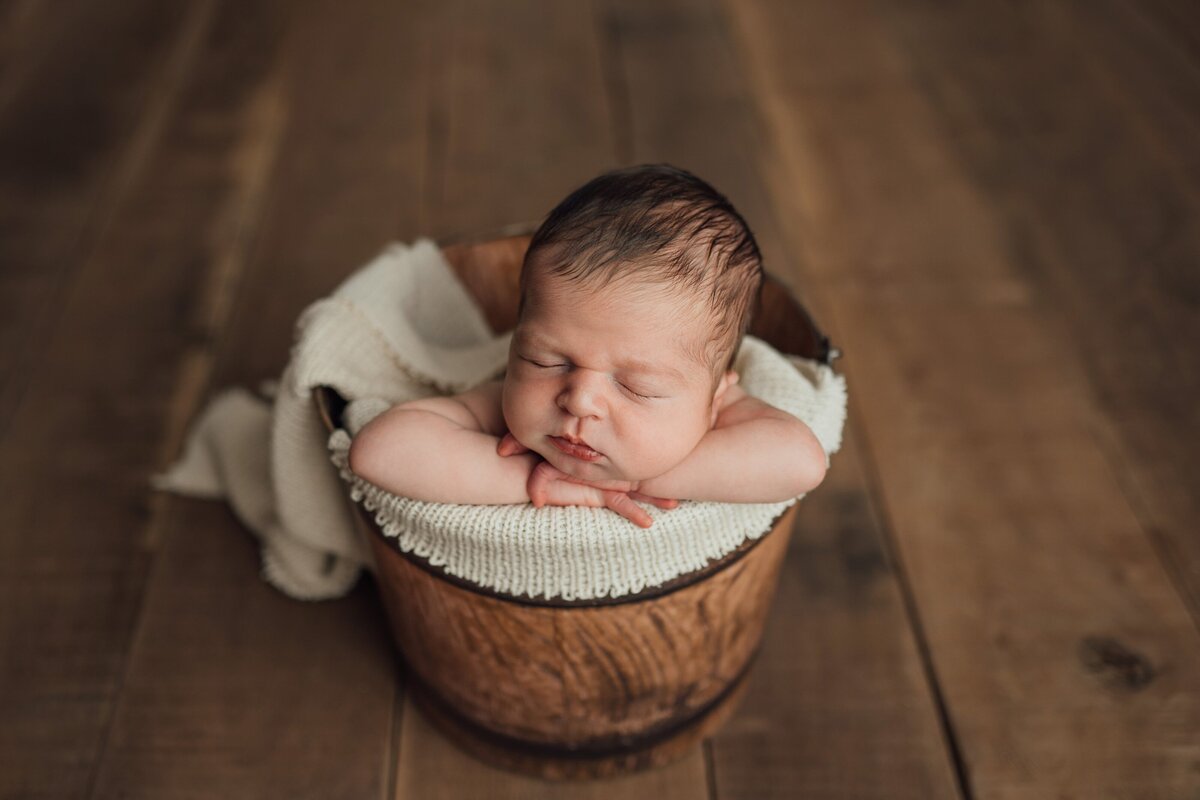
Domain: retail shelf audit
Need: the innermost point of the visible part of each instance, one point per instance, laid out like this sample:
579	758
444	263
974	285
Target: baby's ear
727	380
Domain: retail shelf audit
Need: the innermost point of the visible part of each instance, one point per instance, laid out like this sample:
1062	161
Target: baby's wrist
615	485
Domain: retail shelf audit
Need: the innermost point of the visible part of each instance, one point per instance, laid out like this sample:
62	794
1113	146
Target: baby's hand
550	486
509	446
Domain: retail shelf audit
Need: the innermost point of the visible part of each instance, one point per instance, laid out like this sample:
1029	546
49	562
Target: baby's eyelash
623	386
639	394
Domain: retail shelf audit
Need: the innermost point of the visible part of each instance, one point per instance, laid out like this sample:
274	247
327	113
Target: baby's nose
583	395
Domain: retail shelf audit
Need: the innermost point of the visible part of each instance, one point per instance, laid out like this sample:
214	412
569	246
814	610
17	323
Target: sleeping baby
635	294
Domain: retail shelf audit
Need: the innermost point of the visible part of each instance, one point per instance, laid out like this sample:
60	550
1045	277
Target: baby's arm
755	453
443	450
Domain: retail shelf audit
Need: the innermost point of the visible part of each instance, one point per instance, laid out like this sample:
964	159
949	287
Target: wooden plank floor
993	210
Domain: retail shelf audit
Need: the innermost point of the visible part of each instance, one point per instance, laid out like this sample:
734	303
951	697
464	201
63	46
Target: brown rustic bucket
589	688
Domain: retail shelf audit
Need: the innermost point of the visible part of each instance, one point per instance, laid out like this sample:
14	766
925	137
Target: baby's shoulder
484	403
740	406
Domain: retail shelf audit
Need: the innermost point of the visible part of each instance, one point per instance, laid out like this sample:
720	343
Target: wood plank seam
616	83
816	292
710	769
1071	316
197	369
121	178
912	612
392	751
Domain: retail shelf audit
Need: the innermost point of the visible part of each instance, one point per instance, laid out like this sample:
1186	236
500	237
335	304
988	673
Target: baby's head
636	292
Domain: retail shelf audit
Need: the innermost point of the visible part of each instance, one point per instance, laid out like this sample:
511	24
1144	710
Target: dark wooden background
991	208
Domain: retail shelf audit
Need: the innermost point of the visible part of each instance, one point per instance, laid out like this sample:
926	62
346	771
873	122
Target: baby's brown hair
659	224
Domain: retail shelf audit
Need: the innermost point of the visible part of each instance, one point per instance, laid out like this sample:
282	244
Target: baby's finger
509	446
610	486
621	503
661	502
539	479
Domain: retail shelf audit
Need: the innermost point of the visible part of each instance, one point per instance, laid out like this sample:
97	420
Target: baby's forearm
758	461
419	454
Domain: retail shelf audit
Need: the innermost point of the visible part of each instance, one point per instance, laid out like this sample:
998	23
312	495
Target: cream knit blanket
403	327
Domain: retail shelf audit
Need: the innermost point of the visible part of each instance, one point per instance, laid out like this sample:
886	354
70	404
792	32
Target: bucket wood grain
575	689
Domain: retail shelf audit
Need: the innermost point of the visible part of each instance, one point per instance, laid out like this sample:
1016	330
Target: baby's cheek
657	453
528	435
524	423
512	406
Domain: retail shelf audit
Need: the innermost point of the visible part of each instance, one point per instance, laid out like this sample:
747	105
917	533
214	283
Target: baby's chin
589	471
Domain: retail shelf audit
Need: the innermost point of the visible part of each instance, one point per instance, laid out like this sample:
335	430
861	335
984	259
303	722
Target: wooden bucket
589	688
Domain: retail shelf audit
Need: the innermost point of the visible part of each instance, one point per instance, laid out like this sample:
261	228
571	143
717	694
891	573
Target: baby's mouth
580	451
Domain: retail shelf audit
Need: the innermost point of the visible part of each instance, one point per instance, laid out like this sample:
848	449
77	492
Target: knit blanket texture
403	327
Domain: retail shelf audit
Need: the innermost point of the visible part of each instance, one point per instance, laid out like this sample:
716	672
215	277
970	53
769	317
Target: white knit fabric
403	327
574	552
399	327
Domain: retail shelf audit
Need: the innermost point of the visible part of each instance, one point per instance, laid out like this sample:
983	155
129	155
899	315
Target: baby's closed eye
643	393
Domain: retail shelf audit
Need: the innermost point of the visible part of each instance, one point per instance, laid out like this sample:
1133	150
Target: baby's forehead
678	313
685	299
